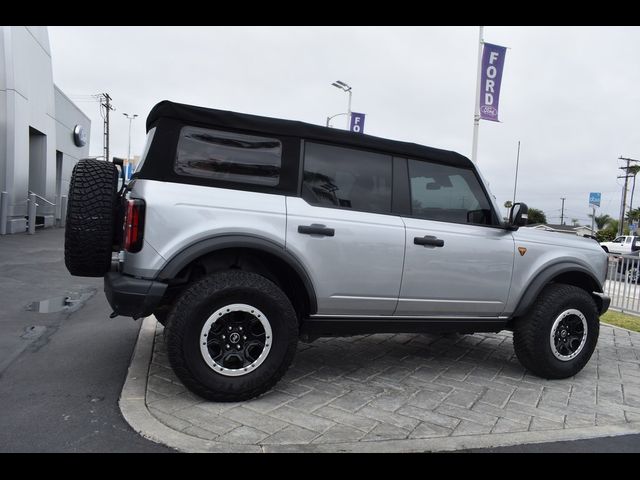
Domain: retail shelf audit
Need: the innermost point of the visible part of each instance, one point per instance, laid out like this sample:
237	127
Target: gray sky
571	95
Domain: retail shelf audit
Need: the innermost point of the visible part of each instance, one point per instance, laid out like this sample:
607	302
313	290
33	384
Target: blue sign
594	199
357	122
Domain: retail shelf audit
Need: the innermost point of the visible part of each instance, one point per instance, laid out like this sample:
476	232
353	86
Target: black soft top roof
265	125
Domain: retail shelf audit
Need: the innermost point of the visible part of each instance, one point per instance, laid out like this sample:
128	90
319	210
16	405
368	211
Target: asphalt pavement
61	373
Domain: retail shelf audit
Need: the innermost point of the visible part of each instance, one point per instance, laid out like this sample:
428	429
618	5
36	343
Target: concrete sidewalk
388	392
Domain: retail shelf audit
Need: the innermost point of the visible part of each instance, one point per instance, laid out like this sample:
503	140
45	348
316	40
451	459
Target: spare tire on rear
91	211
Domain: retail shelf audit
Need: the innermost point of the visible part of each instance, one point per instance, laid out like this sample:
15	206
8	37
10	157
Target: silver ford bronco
242	234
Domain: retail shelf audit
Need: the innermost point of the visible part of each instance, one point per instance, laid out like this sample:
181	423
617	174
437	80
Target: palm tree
574	221
600	220
633	214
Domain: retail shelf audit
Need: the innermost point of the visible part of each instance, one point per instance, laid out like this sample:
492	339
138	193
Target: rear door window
347	178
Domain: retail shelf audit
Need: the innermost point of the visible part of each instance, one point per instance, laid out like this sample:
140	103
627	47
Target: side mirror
518	216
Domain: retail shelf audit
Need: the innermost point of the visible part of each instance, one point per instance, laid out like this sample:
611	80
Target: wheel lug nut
238	347
244	337
228	346
223	337
240	328
229	329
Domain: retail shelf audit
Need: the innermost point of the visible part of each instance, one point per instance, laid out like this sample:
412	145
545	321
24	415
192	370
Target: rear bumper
603	303
132	297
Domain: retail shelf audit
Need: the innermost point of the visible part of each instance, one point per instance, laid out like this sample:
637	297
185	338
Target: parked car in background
622	245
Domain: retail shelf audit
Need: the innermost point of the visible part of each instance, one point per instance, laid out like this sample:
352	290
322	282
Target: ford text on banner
357	122
492	66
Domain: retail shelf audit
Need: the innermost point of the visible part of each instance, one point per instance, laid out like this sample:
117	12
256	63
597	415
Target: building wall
67	117
36	120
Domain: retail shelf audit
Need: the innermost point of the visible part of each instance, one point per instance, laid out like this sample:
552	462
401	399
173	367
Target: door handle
429	240
316	230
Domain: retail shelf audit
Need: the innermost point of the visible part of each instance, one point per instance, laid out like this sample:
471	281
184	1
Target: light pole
334	116
131	118
345	88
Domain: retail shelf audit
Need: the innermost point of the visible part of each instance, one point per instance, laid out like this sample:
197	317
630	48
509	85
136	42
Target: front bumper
132	297
603	303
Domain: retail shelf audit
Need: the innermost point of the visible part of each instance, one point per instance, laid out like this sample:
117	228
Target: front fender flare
543	278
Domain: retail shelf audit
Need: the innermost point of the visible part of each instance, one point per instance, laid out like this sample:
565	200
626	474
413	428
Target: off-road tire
190	313
532	331
91	209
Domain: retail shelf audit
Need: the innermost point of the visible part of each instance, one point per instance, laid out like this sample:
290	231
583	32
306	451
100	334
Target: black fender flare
542	279
212	244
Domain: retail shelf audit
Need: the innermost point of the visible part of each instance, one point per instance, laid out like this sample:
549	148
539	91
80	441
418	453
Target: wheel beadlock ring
220	314
559	331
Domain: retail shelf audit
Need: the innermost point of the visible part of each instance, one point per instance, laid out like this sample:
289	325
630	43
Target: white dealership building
42	132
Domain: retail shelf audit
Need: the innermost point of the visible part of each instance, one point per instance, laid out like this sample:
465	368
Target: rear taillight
134	225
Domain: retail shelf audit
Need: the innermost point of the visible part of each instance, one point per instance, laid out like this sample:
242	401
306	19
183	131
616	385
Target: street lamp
345	88
131	118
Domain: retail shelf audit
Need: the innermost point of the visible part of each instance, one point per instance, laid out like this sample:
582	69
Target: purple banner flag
357	122
492	66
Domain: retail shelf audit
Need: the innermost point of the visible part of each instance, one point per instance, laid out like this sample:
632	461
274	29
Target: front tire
231	336
558	335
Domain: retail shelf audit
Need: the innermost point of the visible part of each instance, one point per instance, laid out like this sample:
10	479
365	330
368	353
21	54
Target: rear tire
231	336
88	238
558	335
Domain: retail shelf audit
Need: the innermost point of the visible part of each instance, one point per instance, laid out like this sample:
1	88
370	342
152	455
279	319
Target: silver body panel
180	215
470	274
548	248
358	271
371	267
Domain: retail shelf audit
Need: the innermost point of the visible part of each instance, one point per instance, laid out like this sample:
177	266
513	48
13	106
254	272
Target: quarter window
347	178
150	136
447	194
228	156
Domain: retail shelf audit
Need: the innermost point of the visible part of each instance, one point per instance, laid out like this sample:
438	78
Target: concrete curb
134	409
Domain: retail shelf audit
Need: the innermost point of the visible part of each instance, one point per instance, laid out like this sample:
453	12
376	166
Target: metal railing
41	198
623	283
32	204
32	210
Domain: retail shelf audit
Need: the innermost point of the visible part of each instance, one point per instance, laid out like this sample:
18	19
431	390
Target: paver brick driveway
408	386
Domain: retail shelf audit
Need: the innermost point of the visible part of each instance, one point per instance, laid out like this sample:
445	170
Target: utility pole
105	102
624	192
562	211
